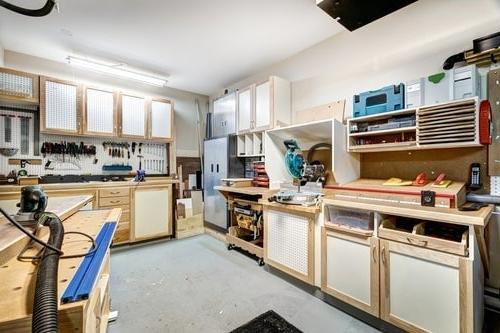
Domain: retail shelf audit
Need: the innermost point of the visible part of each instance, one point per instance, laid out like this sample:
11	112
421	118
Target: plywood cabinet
60	106
264	105
350	269
424	290
133	117
18	87
152	211
100	115
161	120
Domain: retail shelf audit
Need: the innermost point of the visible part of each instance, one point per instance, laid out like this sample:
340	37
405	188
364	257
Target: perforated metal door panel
133	115
160	119
100	117
61	106
16	85
287	240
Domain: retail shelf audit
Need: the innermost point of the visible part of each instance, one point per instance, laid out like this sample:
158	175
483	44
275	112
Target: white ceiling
203	45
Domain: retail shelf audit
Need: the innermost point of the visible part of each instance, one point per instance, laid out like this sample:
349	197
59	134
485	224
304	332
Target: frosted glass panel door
161	120
60	106
133	116
245	110
100	112
263	105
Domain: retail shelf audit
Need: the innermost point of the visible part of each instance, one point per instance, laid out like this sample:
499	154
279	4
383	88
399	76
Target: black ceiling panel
354	14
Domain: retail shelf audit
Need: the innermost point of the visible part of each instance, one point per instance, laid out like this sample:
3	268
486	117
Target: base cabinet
350	269
289	243
424	290
152	211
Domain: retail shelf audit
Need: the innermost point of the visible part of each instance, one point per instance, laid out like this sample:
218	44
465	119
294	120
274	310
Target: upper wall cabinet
264	105
100	112
133	118
18	87
224	115
161	120
60	106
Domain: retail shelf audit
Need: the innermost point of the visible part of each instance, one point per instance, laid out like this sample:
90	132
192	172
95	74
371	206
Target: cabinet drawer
114	201
433	235
114	192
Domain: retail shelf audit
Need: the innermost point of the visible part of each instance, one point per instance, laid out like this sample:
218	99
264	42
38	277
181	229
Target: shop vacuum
32	215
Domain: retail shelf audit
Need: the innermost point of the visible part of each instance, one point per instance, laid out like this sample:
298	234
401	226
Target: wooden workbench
18	281
251	190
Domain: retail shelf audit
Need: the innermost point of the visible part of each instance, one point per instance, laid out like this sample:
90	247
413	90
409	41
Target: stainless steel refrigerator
220	162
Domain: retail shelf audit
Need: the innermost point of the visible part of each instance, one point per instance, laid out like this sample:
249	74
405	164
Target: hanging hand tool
25	134
140	148
133	147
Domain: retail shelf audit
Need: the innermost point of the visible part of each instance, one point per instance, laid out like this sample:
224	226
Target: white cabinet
224	115
18	87
60	106
161	120
350	269
100	112
424	290
264	105
289	243
152	211
245	110
133	116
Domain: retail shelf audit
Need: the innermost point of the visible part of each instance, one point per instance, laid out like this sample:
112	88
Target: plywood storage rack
453	124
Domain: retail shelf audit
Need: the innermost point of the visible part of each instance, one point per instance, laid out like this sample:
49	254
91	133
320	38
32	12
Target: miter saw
305	172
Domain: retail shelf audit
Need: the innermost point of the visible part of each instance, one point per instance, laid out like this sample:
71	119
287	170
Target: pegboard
100	111
61	106
133	113
495	185
287	240
16	85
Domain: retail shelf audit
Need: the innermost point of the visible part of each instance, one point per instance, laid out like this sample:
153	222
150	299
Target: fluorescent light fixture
116	70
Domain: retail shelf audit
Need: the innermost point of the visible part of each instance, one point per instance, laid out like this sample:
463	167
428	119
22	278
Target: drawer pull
115	201
114	192
416	241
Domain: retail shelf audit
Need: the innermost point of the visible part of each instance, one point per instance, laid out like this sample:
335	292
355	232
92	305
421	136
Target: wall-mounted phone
475	177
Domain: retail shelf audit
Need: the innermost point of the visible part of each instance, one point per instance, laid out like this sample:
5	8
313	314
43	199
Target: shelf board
315	131
391	146
252	155
387	131
383	115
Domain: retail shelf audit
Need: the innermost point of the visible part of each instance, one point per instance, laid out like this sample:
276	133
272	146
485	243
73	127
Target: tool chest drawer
349	218
114	192
438	236
114	201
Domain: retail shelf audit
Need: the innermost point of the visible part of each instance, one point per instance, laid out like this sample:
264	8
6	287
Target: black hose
46	300
45	10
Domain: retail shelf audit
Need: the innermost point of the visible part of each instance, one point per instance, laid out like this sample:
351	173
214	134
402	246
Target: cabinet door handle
417	242
211	168
373	254
383	255
217	167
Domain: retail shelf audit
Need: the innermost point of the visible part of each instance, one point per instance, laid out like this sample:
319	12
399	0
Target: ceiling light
116	70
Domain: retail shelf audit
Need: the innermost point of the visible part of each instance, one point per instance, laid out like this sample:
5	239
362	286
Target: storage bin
350	218
439	236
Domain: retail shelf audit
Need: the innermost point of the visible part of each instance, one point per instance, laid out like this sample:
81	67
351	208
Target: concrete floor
197	285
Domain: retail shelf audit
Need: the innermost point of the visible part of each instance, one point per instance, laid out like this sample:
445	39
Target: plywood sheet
494	98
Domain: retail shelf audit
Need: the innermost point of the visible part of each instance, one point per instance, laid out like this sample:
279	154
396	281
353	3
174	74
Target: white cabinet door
263	106
133	116
289	243
422	290
152	212
60	106
244	112
161	119
350	269
100	112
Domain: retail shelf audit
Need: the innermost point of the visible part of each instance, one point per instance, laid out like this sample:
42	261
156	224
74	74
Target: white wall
184	102
405	45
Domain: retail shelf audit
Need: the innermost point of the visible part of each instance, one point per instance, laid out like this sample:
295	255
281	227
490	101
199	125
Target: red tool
420	180
485	122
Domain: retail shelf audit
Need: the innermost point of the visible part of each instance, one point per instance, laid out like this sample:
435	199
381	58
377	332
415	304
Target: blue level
81	285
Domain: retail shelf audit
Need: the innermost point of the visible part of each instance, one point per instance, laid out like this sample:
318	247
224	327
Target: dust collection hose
46	300
45	10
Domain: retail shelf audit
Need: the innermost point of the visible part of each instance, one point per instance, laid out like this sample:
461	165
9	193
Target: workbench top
96	184
18	277
11	237
251	190
291	208
448	215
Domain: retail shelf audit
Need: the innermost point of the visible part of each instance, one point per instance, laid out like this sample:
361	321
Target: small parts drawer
113	201
349	218
443	237
114	192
